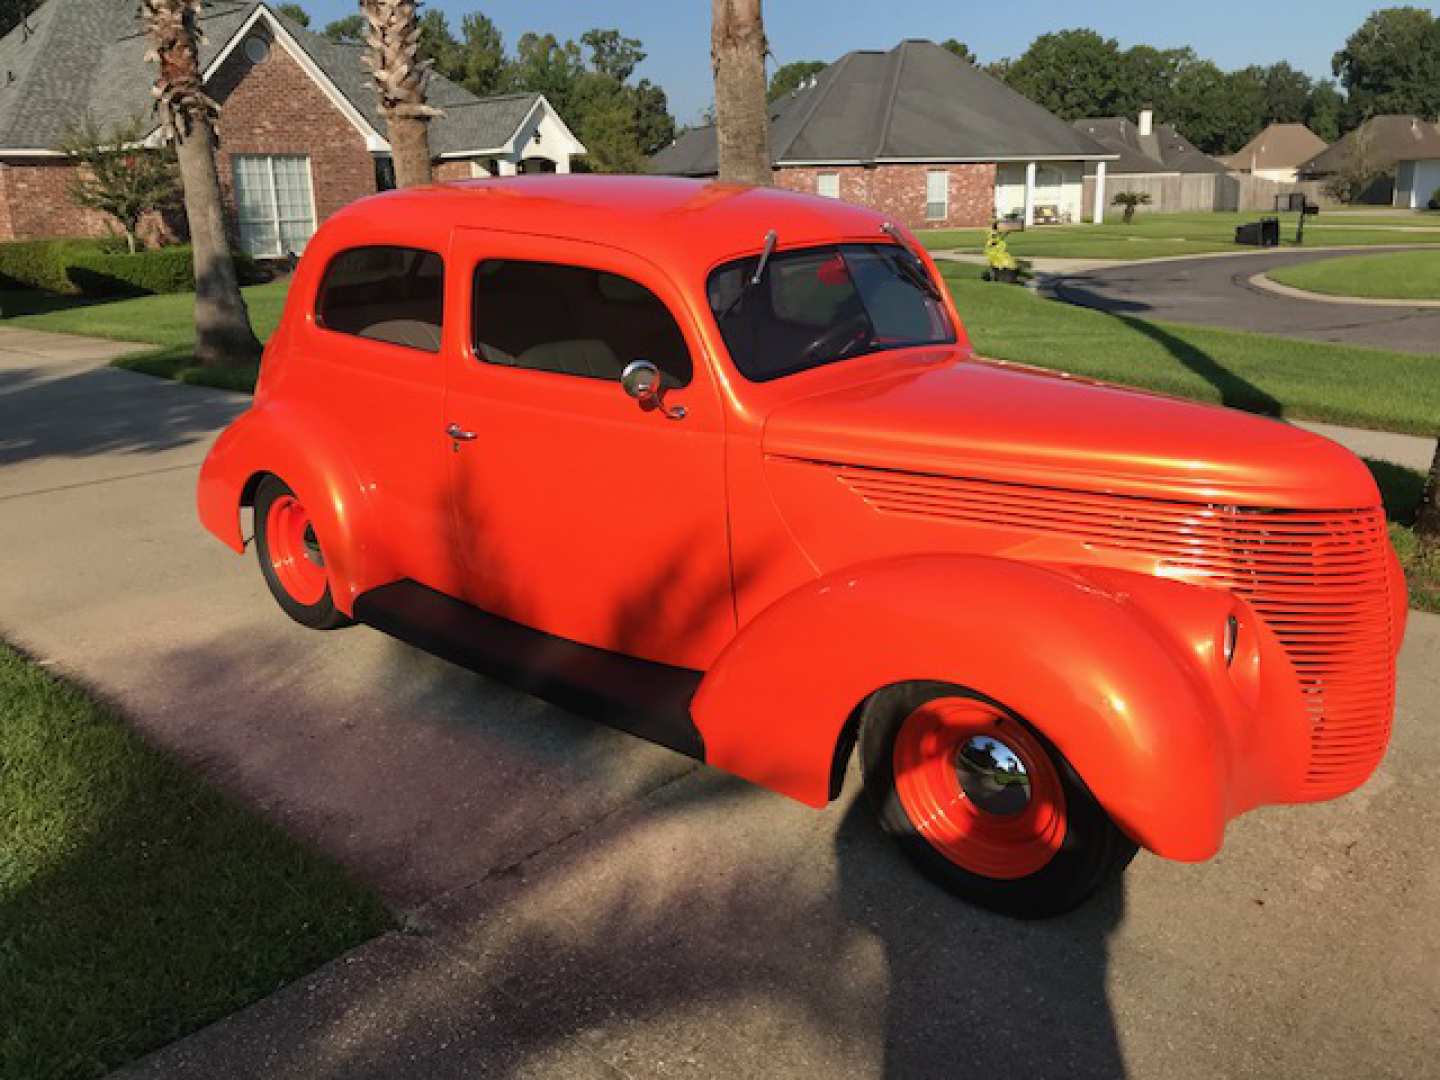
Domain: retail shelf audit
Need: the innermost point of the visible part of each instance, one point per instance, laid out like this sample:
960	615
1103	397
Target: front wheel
984	804
291	557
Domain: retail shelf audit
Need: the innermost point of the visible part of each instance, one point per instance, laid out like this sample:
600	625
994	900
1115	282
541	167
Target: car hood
994	420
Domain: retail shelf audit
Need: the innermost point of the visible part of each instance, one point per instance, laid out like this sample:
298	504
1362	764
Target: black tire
321	614
1092	852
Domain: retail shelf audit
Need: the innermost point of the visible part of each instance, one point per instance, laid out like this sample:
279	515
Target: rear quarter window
390	294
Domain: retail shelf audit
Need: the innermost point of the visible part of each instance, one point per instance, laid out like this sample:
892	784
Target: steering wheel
838	339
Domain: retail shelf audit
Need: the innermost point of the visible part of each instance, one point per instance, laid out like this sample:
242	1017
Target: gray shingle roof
1164	150
84	57
1392	139
917	102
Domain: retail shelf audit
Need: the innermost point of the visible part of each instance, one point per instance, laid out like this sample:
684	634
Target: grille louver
1317	577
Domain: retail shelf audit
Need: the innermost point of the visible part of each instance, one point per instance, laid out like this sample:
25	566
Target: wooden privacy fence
1204	191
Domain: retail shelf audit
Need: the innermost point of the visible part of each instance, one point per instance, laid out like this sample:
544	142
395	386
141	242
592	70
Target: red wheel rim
295	551
931	781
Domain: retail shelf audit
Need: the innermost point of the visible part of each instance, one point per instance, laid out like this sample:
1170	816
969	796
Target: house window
828	184
937	195
275	204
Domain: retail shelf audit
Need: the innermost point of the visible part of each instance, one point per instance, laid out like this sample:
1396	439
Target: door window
573	320
390	294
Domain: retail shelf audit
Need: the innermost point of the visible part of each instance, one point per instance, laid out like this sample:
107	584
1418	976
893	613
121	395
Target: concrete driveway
577	903
1216	291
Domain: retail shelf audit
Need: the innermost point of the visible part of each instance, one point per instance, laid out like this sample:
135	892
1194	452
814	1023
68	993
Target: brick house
918	134
300	135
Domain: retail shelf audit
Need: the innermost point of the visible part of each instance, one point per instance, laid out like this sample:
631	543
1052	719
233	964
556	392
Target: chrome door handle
459	434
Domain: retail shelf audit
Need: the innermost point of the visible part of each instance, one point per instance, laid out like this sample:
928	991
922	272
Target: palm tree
1427	520
223	337
1130	200
742	123
401	78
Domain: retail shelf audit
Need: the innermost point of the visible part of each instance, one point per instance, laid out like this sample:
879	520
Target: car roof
668	219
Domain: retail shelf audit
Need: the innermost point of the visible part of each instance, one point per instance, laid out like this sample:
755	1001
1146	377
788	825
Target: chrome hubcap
992	776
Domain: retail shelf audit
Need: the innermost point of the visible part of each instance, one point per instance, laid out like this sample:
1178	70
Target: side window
573	321
390	294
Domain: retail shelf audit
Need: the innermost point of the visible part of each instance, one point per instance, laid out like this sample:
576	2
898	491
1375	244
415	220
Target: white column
507	168
1099	193
562	163
1029	193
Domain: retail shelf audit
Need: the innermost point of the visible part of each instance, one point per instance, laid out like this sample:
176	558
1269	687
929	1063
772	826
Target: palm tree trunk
401	81
410	147
1427	521
223	337
742	122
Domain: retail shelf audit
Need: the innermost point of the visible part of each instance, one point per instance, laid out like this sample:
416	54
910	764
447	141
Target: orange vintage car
718	465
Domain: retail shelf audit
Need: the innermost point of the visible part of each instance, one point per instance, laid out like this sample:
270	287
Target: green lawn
136	902
1157	235
167	322
1403	275
1372	388
1401	489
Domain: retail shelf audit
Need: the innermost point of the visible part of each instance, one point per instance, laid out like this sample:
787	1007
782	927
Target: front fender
301	449
1123	672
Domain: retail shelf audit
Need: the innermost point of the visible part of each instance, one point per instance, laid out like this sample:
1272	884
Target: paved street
580	904
1216	291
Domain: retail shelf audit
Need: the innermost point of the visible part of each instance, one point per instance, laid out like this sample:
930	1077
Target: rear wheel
983	803
291	557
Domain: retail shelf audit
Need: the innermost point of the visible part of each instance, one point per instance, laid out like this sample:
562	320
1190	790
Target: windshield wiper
909	271
754	279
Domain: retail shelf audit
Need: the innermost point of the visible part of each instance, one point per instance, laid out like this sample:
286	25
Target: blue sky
677	33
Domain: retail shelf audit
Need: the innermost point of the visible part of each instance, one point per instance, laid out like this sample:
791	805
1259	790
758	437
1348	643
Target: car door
578	512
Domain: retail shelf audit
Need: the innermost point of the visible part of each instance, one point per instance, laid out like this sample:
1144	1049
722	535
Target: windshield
819	305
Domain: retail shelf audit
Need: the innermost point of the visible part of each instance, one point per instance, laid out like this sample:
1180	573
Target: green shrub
104	268
1435	199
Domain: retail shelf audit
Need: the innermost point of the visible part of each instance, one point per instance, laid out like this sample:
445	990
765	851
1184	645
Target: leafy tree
1073	73
611	54
1217	111
789	76
1391	64
1325	110
960	49
347	31
1359	169
1148	76
547	66
655	127
295	13
1287	94
118	177
483	49
438	45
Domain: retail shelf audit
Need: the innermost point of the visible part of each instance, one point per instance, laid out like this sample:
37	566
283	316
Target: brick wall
451	170
898	191
267	108
276	108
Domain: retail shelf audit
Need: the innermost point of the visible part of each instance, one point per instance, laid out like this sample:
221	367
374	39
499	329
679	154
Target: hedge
103	268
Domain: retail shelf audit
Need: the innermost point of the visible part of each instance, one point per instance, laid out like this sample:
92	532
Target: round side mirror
641	380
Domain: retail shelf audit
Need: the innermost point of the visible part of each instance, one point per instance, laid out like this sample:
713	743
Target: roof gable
917	102
1392	139
1279	146
1164	150
86	57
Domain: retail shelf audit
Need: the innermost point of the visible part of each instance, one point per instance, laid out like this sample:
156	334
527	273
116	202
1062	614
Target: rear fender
302	450
1123	672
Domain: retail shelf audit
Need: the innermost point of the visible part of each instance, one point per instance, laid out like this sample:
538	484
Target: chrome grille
1318	578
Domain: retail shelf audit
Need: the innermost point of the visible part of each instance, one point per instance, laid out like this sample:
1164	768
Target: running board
642	698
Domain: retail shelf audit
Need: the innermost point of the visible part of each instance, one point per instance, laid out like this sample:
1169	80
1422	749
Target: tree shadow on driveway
1234	390
100	410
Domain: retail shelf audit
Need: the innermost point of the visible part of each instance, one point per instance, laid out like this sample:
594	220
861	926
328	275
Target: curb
1269	284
